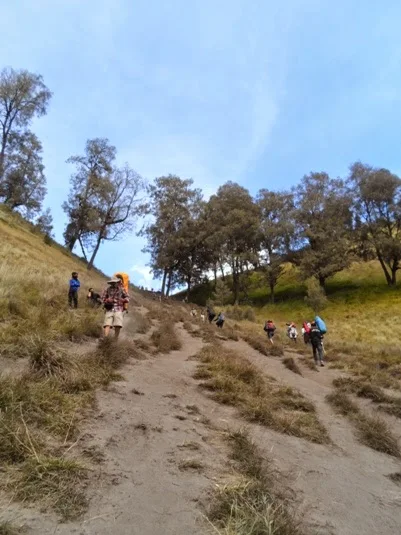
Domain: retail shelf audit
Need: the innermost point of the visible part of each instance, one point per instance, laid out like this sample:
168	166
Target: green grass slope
362	315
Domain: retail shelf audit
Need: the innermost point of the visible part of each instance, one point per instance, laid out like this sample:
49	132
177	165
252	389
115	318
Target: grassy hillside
46	394
362	317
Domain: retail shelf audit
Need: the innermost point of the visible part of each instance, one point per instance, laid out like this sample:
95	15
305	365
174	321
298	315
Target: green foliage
222	294
377	206
323	217
316	297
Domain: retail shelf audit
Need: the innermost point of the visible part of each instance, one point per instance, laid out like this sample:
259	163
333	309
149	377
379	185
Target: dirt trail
158	418
147	426
343	487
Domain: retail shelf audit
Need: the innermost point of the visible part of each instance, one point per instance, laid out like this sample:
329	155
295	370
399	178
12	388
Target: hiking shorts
113	319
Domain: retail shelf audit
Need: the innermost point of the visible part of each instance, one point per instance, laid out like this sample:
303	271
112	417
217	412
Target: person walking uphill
114	299
73	290
316	337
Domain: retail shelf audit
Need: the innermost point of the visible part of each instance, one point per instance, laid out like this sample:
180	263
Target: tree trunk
95	251
394	270
235	287
322	281
272	296
71	243
164	281
215	275
188	287
83	250
384	268
222	272
169	282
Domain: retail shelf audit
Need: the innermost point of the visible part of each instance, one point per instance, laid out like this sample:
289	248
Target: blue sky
259	92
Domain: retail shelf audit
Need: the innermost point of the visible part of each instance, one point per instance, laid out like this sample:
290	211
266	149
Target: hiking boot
321	363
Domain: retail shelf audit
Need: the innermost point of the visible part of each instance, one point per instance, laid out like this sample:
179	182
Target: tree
44	223
24	184
377	205
315	296
233	222
117	207
175	235
23	95
276	233
324	220
92	174
222	294
103	200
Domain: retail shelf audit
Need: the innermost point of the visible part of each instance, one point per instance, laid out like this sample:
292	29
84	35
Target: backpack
321	325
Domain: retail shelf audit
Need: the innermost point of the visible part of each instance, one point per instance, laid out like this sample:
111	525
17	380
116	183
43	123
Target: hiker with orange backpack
270	329
124	278
114	298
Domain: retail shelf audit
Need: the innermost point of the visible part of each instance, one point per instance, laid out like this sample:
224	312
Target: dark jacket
315	336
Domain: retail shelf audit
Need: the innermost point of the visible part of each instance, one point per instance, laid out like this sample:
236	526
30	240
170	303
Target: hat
113	280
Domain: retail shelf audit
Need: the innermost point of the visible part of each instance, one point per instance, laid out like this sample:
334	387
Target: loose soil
156	443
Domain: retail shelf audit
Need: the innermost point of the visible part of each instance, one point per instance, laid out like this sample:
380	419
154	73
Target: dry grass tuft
6	528
194	446
261	344
361	388
290	363
342	403
191	464
309	363
165	338
371	430
395	478
139	323
233	380
375	433
55	483
252	505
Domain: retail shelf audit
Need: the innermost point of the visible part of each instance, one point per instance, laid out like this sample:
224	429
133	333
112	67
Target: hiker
316	338
73	290
114	298
306	327
220	320
210	314
292	332
94	299
194	313
270	328
202	317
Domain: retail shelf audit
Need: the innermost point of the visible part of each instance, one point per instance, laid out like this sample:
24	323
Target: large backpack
125	283
321	325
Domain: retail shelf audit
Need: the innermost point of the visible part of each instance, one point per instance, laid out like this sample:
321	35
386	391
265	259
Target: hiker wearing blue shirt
73	290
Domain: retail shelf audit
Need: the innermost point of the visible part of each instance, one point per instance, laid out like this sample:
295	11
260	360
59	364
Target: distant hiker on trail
94	299
202	317
220	320
306	327
114	299
316	338
292	332
73	290
194	313
270	328
210	314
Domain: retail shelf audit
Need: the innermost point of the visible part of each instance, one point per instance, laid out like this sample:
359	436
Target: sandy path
146	422
343	488
141	489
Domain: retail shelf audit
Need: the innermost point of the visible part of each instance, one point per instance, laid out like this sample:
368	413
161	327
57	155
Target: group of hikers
312	332
211	316
114	300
